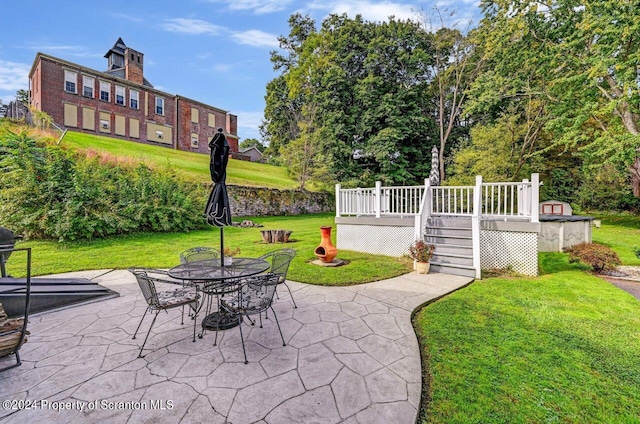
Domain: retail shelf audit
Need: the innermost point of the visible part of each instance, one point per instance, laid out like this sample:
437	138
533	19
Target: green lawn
161	250
194	166
562	347
621	233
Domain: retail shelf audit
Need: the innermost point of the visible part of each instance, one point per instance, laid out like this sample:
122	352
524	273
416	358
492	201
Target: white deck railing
496	200
379	201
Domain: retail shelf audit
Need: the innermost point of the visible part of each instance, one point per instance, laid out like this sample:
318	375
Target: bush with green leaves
598	256
49	192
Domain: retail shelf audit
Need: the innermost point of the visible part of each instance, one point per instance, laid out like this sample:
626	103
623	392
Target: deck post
425	211
535	197
337	200
378	198
475	224
522	195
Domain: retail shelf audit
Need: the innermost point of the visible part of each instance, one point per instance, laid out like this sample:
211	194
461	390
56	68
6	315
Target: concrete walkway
351	356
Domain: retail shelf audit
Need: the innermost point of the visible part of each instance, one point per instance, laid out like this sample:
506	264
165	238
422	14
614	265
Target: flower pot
326	251
228	260
422	267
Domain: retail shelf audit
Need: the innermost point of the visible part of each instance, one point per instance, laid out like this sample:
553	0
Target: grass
194	166
562	347
161	250
621	233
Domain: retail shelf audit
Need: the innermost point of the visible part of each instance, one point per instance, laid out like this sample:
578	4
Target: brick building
120	102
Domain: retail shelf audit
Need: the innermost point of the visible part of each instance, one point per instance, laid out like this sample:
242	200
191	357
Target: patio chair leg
207	311
292	299
242	338
140	323
148	332
182	321
195	315
276	317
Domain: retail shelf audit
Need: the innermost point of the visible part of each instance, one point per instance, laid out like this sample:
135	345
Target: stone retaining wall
256	201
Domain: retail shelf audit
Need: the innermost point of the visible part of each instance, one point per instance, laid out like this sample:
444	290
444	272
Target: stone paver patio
351	356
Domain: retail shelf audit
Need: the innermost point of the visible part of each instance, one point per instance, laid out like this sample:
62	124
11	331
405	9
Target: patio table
226	277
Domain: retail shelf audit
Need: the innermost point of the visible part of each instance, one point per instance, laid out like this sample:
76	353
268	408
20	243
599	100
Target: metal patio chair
254	296
195	254
158	300
280	261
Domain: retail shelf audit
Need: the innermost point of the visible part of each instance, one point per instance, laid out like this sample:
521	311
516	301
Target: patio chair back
147	287
196	254
280	261
254	297
256	294
178	297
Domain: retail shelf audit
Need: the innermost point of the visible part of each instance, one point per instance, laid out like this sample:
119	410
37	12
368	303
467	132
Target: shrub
598	256
46	191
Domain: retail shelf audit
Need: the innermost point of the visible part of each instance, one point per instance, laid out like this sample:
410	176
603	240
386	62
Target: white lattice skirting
502	249
375	239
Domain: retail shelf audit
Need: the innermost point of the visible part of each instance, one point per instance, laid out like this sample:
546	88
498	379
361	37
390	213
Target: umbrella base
220	321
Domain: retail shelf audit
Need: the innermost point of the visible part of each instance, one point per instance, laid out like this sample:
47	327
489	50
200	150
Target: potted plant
229	253
421	253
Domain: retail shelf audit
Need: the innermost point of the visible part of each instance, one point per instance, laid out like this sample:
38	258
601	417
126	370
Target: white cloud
259	7
127	17
62	49
222	67
369	10
192	26
256	38
249	123
14	76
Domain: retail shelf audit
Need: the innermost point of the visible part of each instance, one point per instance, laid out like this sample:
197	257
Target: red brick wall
202	128
50	97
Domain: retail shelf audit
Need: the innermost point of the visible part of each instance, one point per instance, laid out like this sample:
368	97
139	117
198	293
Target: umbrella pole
222	247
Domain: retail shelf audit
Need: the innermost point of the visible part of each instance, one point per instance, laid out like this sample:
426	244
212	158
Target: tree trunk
635	176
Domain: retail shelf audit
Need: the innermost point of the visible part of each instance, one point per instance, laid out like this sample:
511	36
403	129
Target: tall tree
456	65
252	142
22	96
584	56
283	111
366	84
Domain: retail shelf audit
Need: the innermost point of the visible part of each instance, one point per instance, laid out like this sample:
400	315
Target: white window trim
108	91
67	78
92	84
124	98
137	99
160	99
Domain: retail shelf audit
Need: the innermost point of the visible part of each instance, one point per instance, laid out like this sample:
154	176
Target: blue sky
214	51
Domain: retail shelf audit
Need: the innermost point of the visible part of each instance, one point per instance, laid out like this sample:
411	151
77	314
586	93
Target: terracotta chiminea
326	251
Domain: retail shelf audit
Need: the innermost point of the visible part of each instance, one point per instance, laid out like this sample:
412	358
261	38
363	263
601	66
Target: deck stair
454	246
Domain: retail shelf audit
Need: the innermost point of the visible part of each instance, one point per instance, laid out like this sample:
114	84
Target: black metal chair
254	296
13	332
163	300
195	254
280	261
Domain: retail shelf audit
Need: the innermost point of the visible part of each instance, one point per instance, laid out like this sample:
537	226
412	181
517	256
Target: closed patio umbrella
217	211
434	176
